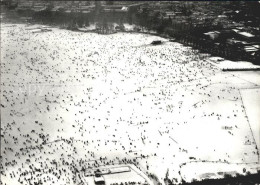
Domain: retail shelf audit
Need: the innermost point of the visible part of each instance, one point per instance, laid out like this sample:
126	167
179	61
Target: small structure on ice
99	179
156	42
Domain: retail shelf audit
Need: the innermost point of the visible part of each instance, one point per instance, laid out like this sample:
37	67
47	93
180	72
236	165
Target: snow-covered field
73	100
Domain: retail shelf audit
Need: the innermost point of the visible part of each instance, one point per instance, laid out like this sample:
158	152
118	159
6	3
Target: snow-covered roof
99	179
235	30
212	32
124	8
250	48
246	34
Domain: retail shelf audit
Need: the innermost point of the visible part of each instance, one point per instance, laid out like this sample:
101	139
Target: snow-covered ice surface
73	100
251	99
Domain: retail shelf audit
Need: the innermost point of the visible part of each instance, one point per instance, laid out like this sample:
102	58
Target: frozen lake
71	100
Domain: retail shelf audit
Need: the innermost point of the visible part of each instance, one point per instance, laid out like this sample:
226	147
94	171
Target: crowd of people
73	101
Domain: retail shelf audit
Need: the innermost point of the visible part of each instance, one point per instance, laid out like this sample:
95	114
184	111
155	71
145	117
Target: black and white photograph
130	92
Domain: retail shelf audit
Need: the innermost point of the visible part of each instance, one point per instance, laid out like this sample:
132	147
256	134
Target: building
99	180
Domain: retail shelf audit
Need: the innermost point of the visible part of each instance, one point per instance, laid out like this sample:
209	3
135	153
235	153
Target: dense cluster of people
74	101
126	183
